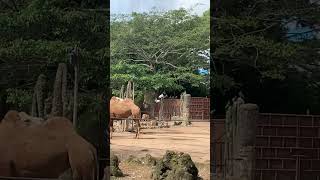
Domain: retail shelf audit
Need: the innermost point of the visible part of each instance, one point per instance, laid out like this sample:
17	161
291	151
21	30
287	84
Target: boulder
149	160
114	166
175	166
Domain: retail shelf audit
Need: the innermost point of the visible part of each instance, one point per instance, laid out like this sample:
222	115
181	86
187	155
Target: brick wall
287	146
199	108
280	140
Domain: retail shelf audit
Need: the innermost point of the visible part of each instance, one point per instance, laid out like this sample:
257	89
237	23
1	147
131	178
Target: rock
134	160
175	166
177	123
149	160
114	166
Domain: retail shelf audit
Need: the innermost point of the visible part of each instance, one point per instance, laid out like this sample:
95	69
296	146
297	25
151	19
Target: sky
300	33
129	6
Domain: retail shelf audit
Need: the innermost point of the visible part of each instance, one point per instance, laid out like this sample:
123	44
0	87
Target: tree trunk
47	106
64	85
57	108
34	104
122	92
41	86
70	106
37	109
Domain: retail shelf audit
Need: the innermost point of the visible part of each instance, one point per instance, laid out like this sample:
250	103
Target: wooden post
132	91
122	92
186	108
75	105
248	116
161	110
57	103
75	62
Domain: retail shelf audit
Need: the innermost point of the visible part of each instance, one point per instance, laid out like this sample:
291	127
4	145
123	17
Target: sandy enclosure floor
194	140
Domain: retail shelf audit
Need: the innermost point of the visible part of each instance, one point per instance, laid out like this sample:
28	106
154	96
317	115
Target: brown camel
44	150
124	108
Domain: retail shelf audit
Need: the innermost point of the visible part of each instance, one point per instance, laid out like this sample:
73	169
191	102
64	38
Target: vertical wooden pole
248	116
75	106
161	110
75	62
186	108
132	91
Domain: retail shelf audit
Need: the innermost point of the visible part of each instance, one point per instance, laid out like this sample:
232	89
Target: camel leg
82	161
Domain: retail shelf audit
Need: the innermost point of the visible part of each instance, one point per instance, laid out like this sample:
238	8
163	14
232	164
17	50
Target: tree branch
168	64
138	60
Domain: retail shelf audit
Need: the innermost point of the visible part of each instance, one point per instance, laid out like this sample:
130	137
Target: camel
124	108
44	150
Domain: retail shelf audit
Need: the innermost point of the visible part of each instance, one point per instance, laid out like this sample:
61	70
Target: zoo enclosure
199	108
287	147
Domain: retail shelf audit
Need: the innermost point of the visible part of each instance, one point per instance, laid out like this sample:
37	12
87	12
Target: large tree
160	51
252	52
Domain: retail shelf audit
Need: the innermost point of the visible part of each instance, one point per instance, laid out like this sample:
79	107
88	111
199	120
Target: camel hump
58	123
114	98
11	116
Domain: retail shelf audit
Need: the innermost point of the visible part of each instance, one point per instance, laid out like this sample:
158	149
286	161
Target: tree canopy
36	35
160	51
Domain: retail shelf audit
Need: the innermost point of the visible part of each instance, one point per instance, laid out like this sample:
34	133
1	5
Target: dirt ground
194	140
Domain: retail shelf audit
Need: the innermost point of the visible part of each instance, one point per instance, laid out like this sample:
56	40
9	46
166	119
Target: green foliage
42	32
53	51
251	53
21	98
159	50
